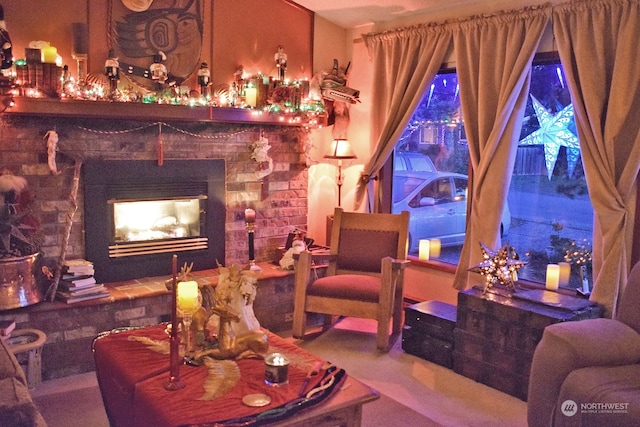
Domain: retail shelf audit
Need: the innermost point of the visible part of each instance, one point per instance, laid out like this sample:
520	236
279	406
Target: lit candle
276	369
188	297
251	96
565	272
553	277
424	250
249	216
49	54
434	248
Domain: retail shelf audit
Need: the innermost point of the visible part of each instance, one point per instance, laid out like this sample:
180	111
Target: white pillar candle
251	96
188	297
553	277
565	272
434	248
424	250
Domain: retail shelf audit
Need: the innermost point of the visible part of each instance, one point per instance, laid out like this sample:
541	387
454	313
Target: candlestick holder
252	258
175	360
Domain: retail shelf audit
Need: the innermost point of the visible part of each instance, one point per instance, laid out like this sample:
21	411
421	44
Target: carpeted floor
413	392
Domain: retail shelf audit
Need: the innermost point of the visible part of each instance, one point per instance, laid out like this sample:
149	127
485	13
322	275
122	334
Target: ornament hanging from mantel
160	146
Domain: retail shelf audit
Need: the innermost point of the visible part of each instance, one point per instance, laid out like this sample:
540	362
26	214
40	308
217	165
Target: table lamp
340	150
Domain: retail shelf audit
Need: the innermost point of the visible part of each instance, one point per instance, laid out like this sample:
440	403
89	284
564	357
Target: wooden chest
428	331
496	333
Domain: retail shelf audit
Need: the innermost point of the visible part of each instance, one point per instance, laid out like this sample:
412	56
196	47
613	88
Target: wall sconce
340	150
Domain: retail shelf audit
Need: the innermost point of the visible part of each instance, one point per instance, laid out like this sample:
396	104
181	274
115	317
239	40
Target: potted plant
20	244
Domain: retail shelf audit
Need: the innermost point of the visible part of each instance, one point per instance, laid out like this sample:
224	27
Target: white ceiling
354	13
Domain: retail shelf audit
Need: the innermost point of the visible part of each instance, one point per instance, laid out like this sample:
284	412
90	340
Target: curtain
599	50
404	63
493	60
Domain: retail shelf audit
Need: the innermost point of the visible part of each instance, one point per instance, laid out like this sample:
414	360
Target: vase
18	285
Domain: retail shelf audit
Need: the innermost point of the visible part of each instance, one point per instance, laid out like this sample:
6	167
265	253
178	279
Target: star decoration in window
500	267
554	133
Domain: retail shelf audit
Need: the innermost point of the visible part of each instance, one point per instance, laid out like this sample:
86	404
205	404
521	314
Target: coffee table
131	376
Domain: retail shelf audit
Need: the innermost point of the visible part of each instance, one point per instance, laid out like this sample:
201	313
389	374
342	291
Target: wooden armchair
364	278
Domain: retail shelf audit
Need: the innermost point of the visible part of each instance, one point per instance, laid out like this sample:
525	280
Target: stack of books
77	283
6	327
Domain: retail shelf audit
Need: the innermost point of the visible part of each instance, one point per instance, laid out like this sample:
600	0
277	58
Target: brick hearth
71	328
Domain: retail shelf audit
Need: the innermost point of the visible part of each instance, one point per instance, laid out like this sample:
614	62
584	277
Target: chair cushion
362	250
592	387
347	286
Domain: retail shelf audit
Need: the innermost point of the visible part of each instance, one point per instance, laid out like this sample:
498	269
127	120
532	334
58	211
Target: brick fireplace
280	199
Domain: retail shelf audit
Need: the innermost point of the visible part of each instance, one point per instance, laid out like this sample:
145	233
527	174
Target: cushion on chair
602	385
347	286
362	250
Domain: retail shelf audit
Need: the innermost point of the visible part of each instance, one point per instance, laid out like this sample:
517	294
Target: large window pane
549	215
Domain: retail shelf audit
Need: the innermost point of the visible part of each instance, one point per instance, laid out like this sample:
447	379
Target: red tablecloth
132	378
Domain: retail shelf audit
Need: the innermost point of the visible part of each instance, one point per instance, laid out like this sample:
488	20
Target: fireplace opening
138	214
158	226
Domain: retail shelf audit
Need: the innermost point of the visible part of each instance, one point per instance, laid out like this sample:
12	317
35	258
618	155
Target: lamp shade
340	149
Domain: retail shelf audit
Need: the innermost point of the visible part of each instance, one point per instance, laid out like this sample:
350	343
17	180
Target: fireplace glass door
157	226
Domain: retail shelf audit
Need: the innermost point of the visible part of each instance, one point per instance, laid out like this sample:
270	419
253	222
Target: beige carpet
438	393
414	392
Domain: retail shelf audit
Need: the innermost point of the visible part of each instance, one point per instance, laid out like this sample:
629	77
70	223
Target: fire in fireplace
137	214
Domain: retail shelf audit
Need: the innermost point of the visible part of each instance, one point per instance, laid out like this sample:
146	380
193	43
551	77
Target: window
548	217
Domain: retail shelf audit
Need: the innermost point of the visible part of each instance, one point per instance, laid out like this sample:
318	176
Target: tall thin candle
174	382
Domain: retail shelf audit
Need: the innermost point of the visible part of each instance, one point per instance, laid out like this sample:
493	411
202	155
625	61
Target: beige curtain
599	46
404	63
493	60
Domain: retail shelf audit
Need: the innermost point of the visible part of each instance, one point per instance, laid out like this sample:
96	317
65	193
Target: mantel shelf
142	112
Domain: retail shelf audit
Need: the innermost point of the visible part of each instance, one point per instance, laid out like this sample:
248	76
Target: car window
421	163
439	190
403	186
460	189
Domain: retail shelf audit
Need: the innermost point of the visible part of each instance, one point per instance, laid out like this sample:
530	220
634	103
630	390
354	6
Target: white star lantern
499	267
553	134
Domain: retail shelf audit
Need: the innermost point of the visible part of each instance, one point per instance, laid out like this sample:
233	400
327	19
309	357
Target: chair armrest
400	264
567	346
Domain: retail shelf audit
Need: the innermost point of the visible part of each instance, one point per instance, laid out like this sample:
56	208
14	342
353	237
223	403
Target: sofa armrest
565	347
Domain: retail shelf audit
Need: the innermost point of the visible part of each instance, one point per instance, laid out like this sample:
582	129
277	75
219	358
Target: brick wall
280	200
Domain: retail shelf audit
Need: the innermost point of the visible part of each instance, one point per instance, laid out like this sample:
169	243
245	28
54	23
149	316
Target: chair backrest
629	306
359	241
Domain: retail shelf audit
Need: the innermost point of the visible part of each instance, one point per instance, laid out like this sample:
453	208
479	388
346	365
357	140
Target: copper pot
18	285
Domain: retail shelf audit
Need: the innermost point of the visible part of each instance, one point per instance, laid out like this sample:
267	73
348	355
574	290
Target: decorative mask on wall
143	29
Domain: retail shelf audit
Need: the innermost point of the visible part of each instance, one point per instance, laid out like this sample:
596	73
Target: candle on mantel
553	277
49	54
188	297
251	95
249	216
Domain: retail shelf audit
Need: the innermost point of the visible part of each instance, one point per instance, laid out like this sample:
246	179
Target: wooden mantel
147	112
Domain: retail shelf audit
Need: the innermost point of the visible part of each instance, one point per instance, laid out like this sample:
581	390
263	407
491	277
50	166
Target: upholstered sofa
16	406
587	373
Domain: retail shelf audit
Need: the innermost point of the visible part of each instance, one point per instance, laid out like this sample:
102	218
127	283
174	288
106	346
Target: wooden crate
497	332
428	331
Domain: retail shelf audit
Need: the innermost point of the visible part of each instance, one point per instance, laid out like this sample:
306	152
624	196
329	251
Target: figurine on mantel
281	62
6	55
